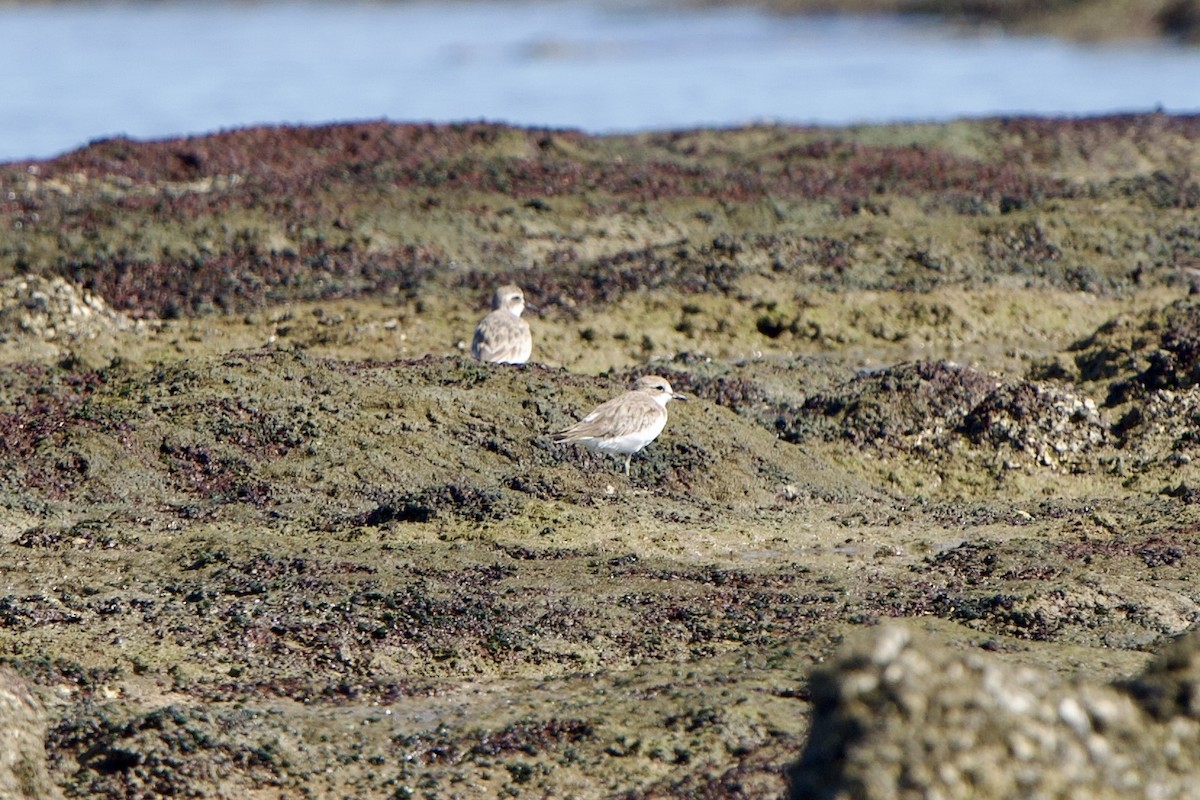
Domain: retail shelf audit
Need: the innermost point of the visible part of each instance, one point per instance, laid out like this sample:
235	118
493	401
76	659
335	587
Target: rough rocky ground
266	532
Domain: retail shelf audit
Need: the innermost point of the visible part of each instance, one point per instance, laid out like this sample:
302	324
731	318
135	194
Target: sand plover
625	424
502	337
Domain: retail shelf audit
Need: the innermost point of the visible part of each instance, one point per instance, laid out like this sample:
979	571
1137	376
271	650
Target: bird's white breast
630	442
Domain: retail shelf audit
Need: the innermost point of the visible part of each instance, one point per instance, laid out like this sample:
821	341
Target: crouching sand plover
625	424
502	337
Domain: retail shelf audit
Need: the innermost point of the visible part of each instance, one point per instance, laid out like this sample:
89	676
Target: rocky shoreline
266	529
1090	20
1084	20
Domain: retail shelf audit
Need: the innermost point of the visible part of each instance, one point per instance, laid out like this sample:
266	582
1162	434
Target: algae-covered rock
1134	355
897	716
1052	425
23	774
280	537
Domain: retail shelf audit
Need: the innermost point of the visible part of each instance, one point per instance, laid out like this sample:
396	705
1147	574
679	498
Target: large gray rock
23	772
899	717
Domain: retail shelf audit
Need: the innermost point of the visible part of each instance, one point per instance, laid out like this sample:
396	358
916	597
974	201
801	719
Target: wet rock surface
271	533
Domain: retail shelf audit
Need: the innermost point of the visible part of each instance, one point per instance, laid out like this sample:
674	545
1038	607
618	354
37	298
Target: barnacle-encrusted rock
915	405
50	308
1162	428
22	749
1140	353
934	408
897	717
1054	426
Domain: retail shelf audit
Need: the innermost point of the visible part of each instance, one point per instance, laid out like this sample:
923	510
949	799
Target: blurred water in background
70	73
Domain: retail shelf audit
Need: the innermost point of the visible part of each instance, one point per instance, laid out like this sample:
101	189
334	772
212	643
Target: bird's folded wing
621	416
498	335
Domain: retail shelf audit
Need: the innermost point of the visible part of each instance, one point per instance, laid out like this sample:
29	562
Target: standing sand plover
502	337
625	424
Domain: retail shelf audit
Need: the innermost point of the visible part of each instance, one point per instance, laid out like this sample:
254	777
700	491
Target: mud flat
267	531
